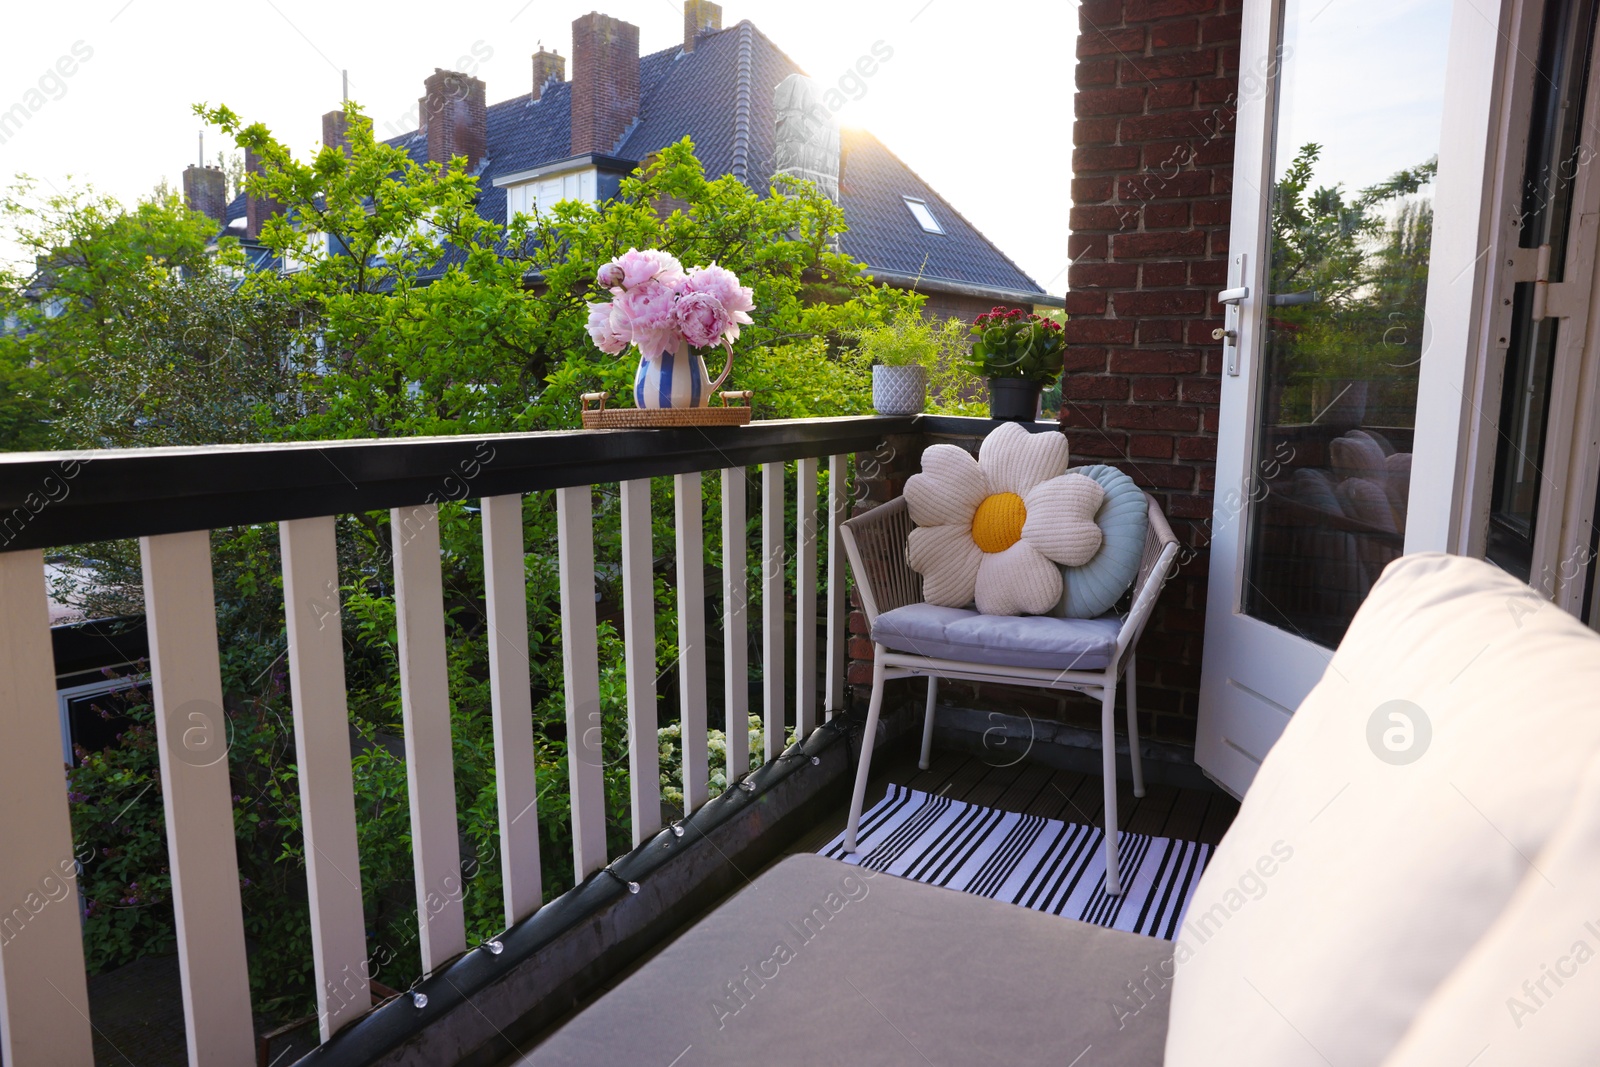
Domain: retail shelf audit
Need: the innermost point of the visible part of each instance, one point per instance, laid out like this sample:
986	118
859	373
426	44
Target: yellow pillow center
998	523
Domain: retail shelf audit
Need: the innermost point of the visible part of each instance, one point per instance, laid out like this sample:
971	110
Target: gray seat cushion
819	962
999	640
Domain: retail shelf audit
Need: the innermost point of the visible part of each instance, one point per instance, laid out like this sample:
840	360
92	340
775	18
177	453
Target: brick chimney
454	117
546	66
605	82
700	17
257	209
336	130
205	191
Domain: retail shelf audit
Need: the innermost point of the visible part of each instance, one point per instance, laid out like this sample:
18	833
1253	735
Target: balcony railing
171	498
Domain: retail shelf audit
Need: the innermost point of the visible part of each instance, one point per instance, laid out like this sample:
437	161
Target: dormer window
919	211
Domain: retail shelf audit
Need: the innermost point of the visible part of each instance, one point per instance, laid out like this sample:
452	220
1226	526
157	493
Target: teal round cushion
1091	590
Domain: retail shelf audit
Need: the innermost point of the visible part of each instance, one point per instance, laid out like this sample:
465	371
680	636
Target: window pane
1350	219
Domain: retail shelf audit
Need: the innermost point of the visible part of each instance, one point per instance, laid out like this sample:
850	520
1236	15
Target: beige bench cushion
1352	883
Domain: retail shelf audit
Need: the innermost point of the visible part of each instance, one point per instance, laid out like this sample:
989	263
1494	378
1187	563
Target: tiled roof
720	96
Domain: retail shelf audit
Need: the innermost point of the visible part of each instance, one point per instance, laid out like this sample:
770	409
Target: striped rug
1039	863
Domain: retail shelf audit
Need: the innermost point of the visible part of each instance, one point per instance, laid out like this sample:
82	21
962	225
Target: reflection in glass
1341	328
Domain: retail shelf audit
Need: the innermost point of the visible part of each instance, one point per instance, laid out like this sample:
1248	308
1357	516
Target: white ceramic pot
899	390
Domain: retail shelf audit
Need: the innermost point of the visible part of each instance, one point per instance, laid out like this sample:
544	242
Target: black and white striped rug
1039	863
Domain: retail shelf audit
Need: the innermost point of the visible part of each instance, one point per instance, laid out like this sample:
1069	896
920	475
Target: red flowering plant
1011	343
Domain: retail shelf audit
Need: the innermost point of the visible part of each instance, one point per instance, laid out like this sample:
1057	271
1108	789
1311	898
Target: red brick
1189	243
1094	131
1081	358
861	674
1099	217
1150	10
1200	448
1103	275
1162	302
1187	507
860	648
1209	419
1099	331
1163	216
1100	42
1214	212
1230	59
1199	332
1153	184
1152	417
1079	416
1096	443
1218	91
1090	102
1155	275
1160	331
1178	34
1086	302
1202	390
1086	246
1212	272
1166	125
1199	64
1215	152
1105	157
1150	446
1154	388
1166	475
1100	14
1094	387
1092	73
1091	190
1165	96
858	623
1215	28
1134	361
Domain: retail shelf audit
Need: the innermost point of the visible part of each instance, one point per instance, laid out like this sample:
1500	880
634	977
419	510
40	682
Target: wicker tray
604	418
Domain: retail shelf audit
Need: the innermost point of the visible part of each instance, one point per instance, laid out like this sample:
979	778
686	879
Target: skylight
924	217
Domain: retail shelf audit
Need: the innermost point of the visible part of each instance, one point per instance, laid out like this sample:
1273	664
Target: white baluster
838	607
44	1000
639	652
511	704
735	616
805	595
192	736
425	712
580	661
688	515
322	760
772	604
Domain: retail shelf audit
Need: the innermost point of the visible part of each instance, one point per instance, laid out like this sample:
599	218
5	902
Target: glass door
1335	171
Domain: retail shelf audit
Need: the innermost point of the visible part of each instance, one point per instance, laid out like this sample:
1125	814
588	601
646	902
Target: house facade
751	112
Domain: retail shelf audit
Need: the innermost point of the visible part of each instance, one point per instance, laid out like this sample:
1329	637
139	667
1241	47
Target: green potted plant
1019	353
904	352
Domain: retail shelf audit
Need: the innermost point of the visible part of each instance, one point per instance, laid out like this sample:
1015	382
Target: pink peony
638	267
607	338
721	283
644	313
702	318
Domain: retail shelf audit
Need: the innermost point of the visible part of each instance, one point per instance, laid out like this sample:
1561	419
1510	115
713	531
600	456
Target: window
919	211
542	194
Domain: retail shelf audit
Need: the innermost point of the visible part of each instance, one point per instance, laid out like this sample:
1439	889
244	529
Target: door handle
1234	296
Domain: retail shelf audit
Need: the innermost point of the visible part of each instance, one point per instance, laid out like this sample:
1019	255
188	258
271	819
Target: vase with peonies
668	313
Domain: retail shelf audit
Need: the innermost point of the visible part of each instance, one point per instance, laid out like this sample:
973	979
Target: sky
978	100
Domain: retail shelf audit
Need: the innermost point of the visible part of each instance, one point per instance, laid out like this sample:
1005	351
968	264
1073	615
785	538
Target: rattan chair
876	544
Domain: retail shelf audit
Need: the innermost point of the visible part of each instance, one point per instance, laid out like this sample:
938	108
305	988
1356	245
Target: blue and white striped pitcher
676	380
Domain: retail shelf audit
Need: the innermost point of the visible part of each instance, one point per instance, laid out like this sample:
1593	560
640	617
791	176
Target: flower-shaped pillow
994	529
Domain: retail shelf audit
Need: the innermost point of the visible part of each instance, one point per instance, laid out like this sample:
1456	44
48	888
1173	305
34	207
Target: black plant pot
1014	399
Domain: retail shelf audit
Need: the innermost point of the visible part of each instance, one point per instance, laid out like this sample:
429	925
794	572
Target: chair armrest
875	541
1160	549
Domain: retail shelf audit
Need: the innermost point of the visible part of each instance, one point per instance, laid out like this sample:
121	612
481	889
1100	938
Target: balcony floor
1029	788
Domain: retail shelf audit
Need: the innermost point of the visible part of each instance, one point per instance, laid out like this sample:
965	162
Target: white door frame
1255	674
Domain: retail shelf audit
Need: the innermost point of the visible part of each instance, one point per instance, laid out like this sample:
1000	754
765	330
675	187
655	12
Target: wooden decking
1033	789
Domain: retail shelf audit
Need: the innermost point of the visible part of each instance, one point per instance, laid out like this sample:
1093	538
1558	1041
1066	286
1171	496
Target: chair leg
864	770
927	723
1108	772
1133	728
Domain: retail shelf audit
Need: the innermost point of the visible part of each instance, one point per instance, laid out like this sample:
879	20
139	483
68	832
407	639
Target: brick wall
1151	189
